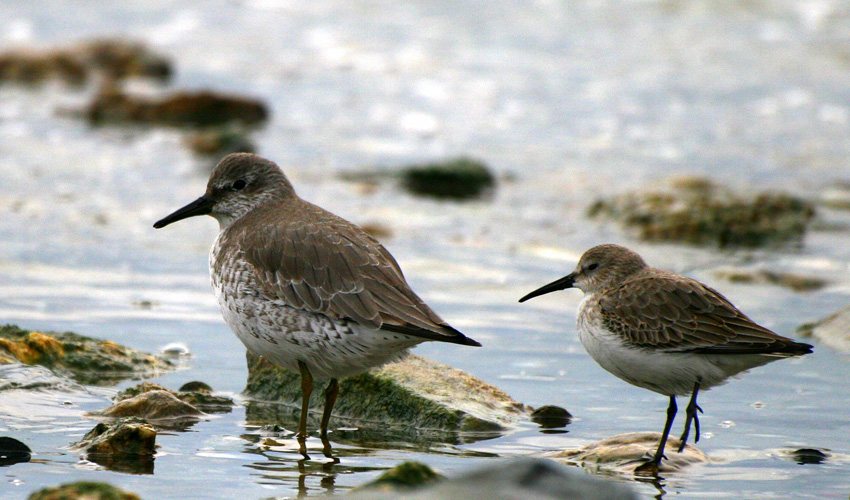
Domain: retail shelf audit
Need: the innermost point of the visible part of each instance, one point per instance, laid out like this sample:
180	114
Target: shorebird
664	332
305	289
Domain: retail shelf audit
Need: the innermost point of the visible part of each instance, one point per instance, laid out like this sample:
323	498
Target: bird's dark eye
592	266
239	185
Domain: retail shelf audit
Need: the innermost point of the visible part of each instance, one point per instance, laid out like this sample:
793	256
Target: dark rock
459	179
195	386
806	456
796	282
408	396
127	445
186	109
699	212
551	417
201	400
82	490
524	479
151	405
833	331
13	451
86	360
625	452
217	143
112	59
404	476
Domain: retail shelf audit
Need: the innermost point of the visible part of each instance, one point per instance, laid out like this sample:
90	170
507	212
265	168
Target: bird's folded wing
330	266
673	313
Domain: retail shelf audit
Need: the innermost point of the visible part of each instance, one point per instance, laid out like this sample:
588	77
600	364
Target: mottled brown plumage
302	287
664	332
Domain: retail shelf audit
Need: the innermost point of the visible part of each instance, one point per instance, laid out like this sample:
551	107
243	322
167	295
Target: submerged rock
524	479
127	445
151	405
795	282
77	64
86	360
699	212
459	179
833	331
82	490
411	395
201	399
182	109
404	476
624	452
808	456
551	417
13	451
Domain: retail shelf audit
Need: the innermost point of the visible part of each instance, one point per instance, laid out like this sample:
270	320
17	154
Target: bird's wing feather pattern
318	262
674	313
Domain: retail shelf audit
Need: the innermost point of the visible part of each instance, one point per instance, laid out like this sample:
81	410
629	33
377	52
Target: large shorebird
663	331
303	288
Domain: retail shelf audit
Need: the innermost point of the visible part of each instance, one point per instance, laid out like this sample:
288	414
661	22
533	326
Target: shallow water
567	101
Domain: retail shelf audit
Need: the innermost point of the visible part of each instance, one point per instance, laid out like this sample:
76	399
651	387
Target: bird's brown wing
673	313
313	260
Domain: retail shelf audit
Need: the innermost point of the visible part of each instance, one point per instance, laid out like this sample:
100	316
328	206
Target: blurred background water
566	101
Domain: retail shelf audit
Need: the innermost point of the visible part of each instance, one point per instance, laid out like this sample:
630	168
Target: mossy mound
200	399
181	109
83	490
86	360
458	179
153	405
79	63
411	395
404	476
625	452
697	211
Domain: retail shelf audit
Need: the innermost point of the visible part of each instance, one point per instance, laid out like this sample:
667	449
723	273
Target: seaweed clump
700	212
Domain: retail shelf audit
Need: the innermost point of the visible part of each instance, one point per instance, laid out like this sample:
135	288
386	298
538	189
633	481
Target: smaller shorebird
303	288
664	332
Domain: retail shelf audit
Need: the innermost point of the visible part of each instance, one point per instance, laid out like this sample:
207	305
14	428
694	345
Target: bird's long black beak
561	284
201	206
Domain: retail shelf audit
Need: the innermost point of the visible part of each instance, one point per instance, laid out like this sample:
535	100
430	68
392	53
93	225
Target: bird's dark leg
691	414
331	392
306	390
651	467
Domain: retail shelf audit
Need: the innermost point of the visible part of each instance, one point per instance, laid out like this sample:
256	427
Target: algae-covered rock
523	479
86	360
699	212
129	437
82	490
127	445
151	405
404	476
201	399
181	109
625	452
414	394
796	282
459	179
833	331
79	63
